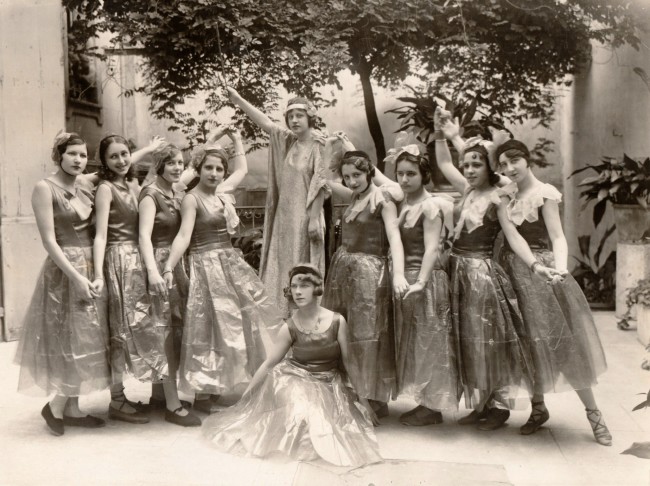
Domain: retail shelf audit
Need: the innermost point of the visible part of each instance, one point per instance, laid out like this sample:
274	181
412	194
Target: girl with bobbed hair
64	346
227	310
300	405
159	222
425	341
358	283
137	342
294	221
493	359
566	350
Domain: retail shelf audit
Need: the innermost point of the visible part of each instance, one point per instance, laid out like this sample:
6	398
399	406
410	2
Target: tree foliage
513	52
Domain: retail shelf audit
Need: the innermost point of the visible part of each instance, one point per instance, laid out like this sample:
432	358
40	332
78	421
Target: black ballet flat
54	424
89	422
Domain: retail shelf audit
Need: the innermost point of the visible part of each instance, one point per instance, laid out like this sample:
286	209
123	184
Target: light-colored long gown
295	179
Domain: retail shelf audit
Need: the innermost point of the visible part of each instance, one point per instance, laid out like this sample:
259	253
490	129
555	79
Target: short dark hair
493	177
421	162
312	274
360	160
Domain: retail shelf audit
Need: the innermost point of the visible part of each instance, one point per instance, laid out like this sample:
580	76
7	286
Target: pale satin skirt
302	414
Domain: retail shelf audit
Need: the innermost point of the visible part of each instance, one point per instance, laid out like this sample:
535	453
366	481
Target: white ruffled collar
473	211
430	206
527	208
373	199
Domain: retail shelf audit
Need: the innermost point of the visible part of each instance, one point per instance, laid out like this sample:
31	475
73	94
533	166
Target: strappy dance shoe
538	416
598	426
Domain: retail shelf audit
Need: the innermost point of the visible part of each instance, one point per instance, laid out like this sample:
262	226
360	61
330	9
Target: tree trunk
364	71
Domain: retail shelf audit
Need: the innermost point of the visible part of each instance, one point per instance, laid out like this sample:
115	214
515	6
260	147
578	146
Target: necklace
314	329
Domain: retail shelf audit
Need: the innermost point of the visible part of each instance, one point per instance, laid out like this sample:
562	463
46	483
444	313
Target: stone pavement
563	453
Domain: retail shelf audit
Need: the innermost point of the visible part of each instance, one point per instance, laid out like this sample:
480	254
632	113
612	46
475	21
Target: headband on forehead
305	268
474	144
307	107
511	145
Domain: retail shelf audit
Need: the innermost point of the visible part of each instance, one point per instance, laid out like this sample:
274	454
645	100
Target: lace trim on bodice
526	209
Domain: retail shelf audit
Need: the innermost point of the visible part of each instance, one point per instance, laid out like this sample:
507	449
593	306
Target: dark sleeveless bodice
210	230
535	234
365	233
315	351
69	229
168	217
482	238
122	217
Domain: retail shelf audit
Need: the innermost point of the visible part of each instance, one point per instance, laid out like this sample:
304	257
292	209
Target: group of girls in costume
115	295
161	294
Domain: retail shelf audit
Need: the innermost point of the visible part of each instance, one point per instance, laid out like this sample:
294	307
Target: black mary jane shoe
54	424
89	422
189	420
161	404
496	418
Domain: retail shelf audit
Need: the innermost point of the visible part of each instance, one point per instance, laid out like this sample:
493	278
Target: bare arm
432	229
259	118
103	198
315	209
338	189
279	349
444	160
451	129
155	143
239	172
44	214
519	244
389	215
551	213
146	217
182	240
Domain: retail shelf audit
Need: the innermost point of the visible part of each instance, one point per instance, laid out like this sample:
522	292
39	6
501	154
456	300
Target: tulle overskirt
564	343
302	414
227	311
425	345
64	348
137	340
493	358
358	287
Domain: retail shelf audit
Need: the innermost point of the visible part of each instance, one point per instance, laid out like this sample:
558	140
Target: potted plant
626	184
639	296
475	114
597	280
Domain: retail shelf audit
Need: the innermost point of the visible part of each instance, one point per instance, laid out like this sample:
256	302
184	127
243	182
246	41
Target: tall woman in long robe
294	224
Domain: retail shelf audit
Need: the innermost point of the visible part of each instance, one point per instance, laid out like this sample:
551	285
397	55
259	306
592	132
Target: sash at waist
482	254
216	245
